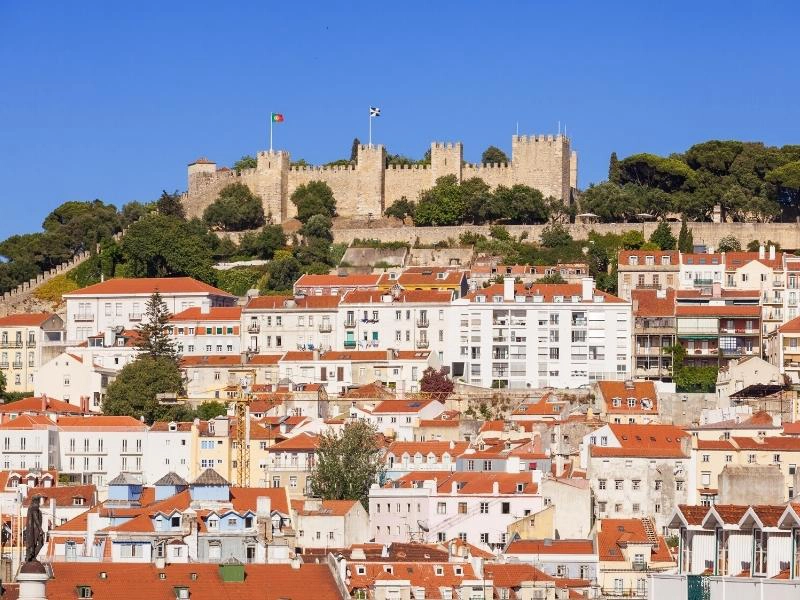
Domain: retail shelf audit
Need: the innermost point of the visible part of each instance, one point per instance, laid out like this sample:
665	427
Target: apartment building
646	270
638	471
654	333
627	401
763	273
713	333
205	331
573	558
701	271
335	285
26	342
74	375
397	418
551	335
283	323
122	302
329	524
427	278
484	273
474	507
395	318
402	458
783	349
290	463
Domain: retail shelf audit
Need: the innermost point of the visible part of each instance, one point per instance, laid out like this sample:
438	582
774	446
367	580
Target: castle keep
542	162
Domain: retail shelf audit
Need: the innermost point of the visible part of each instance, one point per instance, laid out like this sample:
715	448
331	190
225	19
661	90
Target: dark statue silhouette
34	535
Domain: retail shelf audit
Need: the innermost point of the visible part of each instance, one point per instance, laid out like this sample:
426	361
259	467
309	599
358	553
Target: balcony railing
253	328
31	344
350	344
350	323
703	282
11	344
325	327
135	316
422	322
423	344
17	365
83	317
4	364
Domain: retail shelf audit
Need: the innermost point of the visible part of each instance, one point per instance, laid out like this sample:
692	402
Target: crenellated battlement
544	162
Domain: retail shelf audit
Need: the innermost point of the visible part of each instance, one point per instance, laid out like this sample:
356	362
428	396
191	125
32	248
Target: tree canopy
134	390
246	162
235	209
347	463
314	198
170	205
493	154
663	238
264	243
436	383
154	338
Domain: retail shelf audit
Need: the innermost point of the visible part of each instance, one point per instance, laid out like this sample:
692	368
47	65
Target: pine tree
662	237
685	239
613	168
354	150
154	340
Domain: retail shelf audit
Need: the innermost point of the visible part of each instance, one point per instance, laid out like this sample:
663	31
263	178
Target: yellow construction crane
242	412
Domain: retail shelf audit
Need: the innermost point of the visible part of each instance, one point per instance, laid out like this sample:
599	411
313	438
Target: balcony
702	282
639	566
422	322
739	331
4	364
423	344
350	344
253	328
325	327
500	340
777	283
349	324
83	317
579	323
7	344
17	365
31	344
135	316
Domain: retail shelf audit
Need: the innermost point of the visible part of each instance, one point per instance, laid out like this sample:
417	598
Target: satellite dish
646	404
422	526
677	471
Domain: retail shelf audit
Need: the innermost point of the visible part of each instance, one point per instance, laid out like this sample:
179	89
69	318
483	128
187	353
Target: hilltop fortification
367	188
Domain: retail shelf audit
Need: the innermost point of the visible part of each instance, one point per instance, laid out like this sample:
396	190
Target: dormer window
361	570
441	276
84	591
616	402
77	501
520	488
665	260
633	260
439	570
631	402
213	523
175	521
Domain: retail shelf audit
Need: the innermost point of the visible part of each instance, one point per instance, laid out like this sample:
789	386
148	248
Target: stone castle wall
543	162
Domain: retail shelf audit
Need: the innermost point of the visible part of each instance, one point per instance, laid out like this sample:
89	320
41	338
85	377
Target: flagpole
270	132
369	112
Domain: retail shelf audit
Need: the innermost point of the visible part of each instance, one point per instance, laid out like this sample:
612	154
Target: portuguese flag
277	118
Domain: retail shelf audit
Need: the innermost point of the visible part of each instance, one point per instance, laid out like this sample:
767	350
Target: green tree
555	235
443	204
685	239
787	178
162	246
314	198
552	278
133	211
633	239
493	155
613	168
154	338
400	209
170	205
282	272
319	227
609	202
263	244
354	151
239	280
246	162
521	204
236	209
2	385
135	388
729	243
210	409
663	238
347	463
667	174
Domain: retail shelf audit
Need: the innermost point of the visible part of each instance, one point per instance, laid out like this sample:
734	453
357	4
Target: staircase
650	531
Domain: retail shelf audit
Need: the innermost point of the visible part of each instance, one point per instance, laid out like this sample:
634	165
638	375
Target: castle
369	187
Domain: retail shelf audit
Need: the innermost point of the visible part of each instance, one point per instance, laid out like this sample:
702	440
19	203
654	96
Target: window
618	484
636	484
657	484
484	508
462	508
505	508
601	484
484	538
441	508
679	486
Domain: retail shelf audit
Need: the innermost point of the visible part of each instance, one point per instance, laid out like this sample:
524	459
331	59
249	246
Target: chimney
108	337
263	506
45	402
84	404
315	354
716	289
205	306
495	488
508	289
559	465
771	252
587	288
761	253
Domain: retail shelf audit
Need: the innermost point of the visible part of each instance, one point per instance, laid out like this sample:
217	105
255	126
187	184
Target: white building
559	335
474	507
330	523
27	341
204	331
122	302
398	418
169	447
71	376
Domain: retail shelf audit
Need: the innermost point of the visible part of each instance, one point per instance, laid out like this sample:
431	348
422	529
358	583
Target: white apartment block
27	341
395	318
474	507
122	302
206	331
72	376
276	324
559	335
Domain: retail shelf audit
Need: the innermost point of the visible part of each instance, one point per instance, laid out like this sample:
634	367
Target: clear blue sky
112	100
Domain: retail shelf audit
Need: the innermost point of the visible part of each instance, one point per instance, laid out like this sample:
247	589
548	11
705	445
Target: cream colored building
26	342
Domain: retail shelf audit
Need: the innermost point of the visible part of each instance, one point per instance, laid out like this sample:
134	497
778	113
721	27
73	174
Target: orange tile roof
792	326
792	428
645	441
265	359
647	303
506	575
302	442
404	297
64	495
110	423
547	290
126	580
216	313
437	448
715	445
697	259
723	293
338	281
419	574
563	546
33	404
28	422
23	475
356	355
734	260
615	534
772	442
222	360
400	406
693	515
26	319
727	310
297	303
370	390
247	498
624	256
476	482
164	285
729	513
638	390
329	508
768	515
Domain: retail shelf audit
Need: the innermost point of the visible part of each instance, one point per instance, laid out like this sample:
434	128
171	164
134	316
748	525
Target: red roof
356	355
64	495
221	360
110	423
624	256
726	310
400	406
127	580
216	313
615	534
639	391
693	515
792	326
305	442
699	259
474	482
648	303
547	290
33	404
734	260
338	281
27	421
551	547
644	440
265	359
437	448
433	276
292	303
328	508
163	285
405	296
25	320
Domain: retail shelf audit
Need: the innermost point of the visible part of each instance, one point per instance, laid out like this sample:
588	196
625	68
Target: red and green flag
277	118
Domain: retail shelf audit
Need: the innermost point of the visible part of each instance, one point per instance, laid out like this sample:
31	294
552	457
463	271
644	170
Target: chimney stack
761	253
205	306
587	287
508	289
45	402
772	252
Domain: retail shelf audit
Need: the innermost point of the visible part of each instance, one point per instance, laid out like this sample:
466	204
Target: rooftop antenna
565	129
517	128
559	128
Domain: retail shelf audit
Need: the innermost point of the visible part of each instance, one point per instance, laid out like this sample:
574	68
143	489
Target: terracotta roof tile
648	303
338	281
404	297
333	508
26	319
727	310
563	546
216	313
547	290
476	482
292	303
164	285
638	390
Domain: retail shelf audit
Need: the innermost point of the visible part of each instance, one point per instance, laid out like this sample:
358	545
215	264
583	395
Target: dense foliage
436	383
314	198
134	390
154	338
235	209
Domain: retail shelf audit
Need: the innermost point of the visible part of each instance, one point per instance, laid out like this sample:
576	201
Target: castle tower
544	163
200	172
370	180
573	170
446	159
272	183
